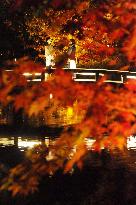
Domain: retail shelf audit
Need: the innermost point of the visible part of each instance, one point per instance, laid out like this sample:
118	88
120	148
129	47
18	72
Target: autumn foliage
107	31
108	112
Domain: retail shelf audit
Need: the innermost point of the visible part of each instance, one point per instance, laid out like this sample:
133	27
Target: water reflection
9	153
23	142
131	142
26	142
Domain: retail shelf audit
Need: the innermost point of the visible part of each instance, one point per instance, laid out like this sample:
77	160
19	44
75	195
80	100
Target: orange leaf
77	156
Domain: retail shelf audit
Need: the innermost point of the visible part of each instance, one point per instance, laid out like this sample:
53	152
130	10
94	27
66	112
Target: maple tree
103	30
108	113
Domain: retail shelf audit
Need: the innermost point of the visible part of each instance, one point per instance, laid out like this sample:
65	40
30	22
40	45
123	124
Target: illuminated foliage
101	33
108	116
108	112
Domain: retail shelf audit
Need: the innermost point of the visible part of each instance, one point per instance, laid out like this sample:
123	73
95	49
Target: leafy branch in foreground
108	113
108	116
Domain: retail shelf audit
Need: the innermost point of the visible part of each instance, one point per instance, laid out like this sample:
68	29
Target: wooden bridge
91	75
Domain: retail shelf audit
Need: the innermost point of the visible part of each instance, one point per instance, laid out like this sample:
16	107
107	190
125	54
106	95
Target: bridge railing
87	75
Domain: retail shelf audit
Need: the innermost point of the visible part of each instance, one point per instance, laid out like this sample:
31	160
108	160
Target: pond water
27	142
108	181
21	143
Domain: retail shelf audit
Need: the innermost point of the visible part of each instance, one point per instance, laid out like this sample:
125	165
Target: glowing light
29	144
131	77
37	74
101	74
36	80
46	76
51	96
5	141
47	142
108	16
72	64
48	60
89	143
85	80
50	156
27	74
86	73
70	112
131	142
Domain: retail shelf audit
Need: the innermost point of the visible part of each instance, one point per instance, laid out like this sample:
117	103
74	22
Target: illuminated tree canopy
100	32
108	112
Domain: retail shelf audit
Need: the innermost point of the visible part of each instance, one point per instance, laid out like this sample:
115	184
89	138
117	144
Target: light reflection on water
29	142
131	142
24	143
